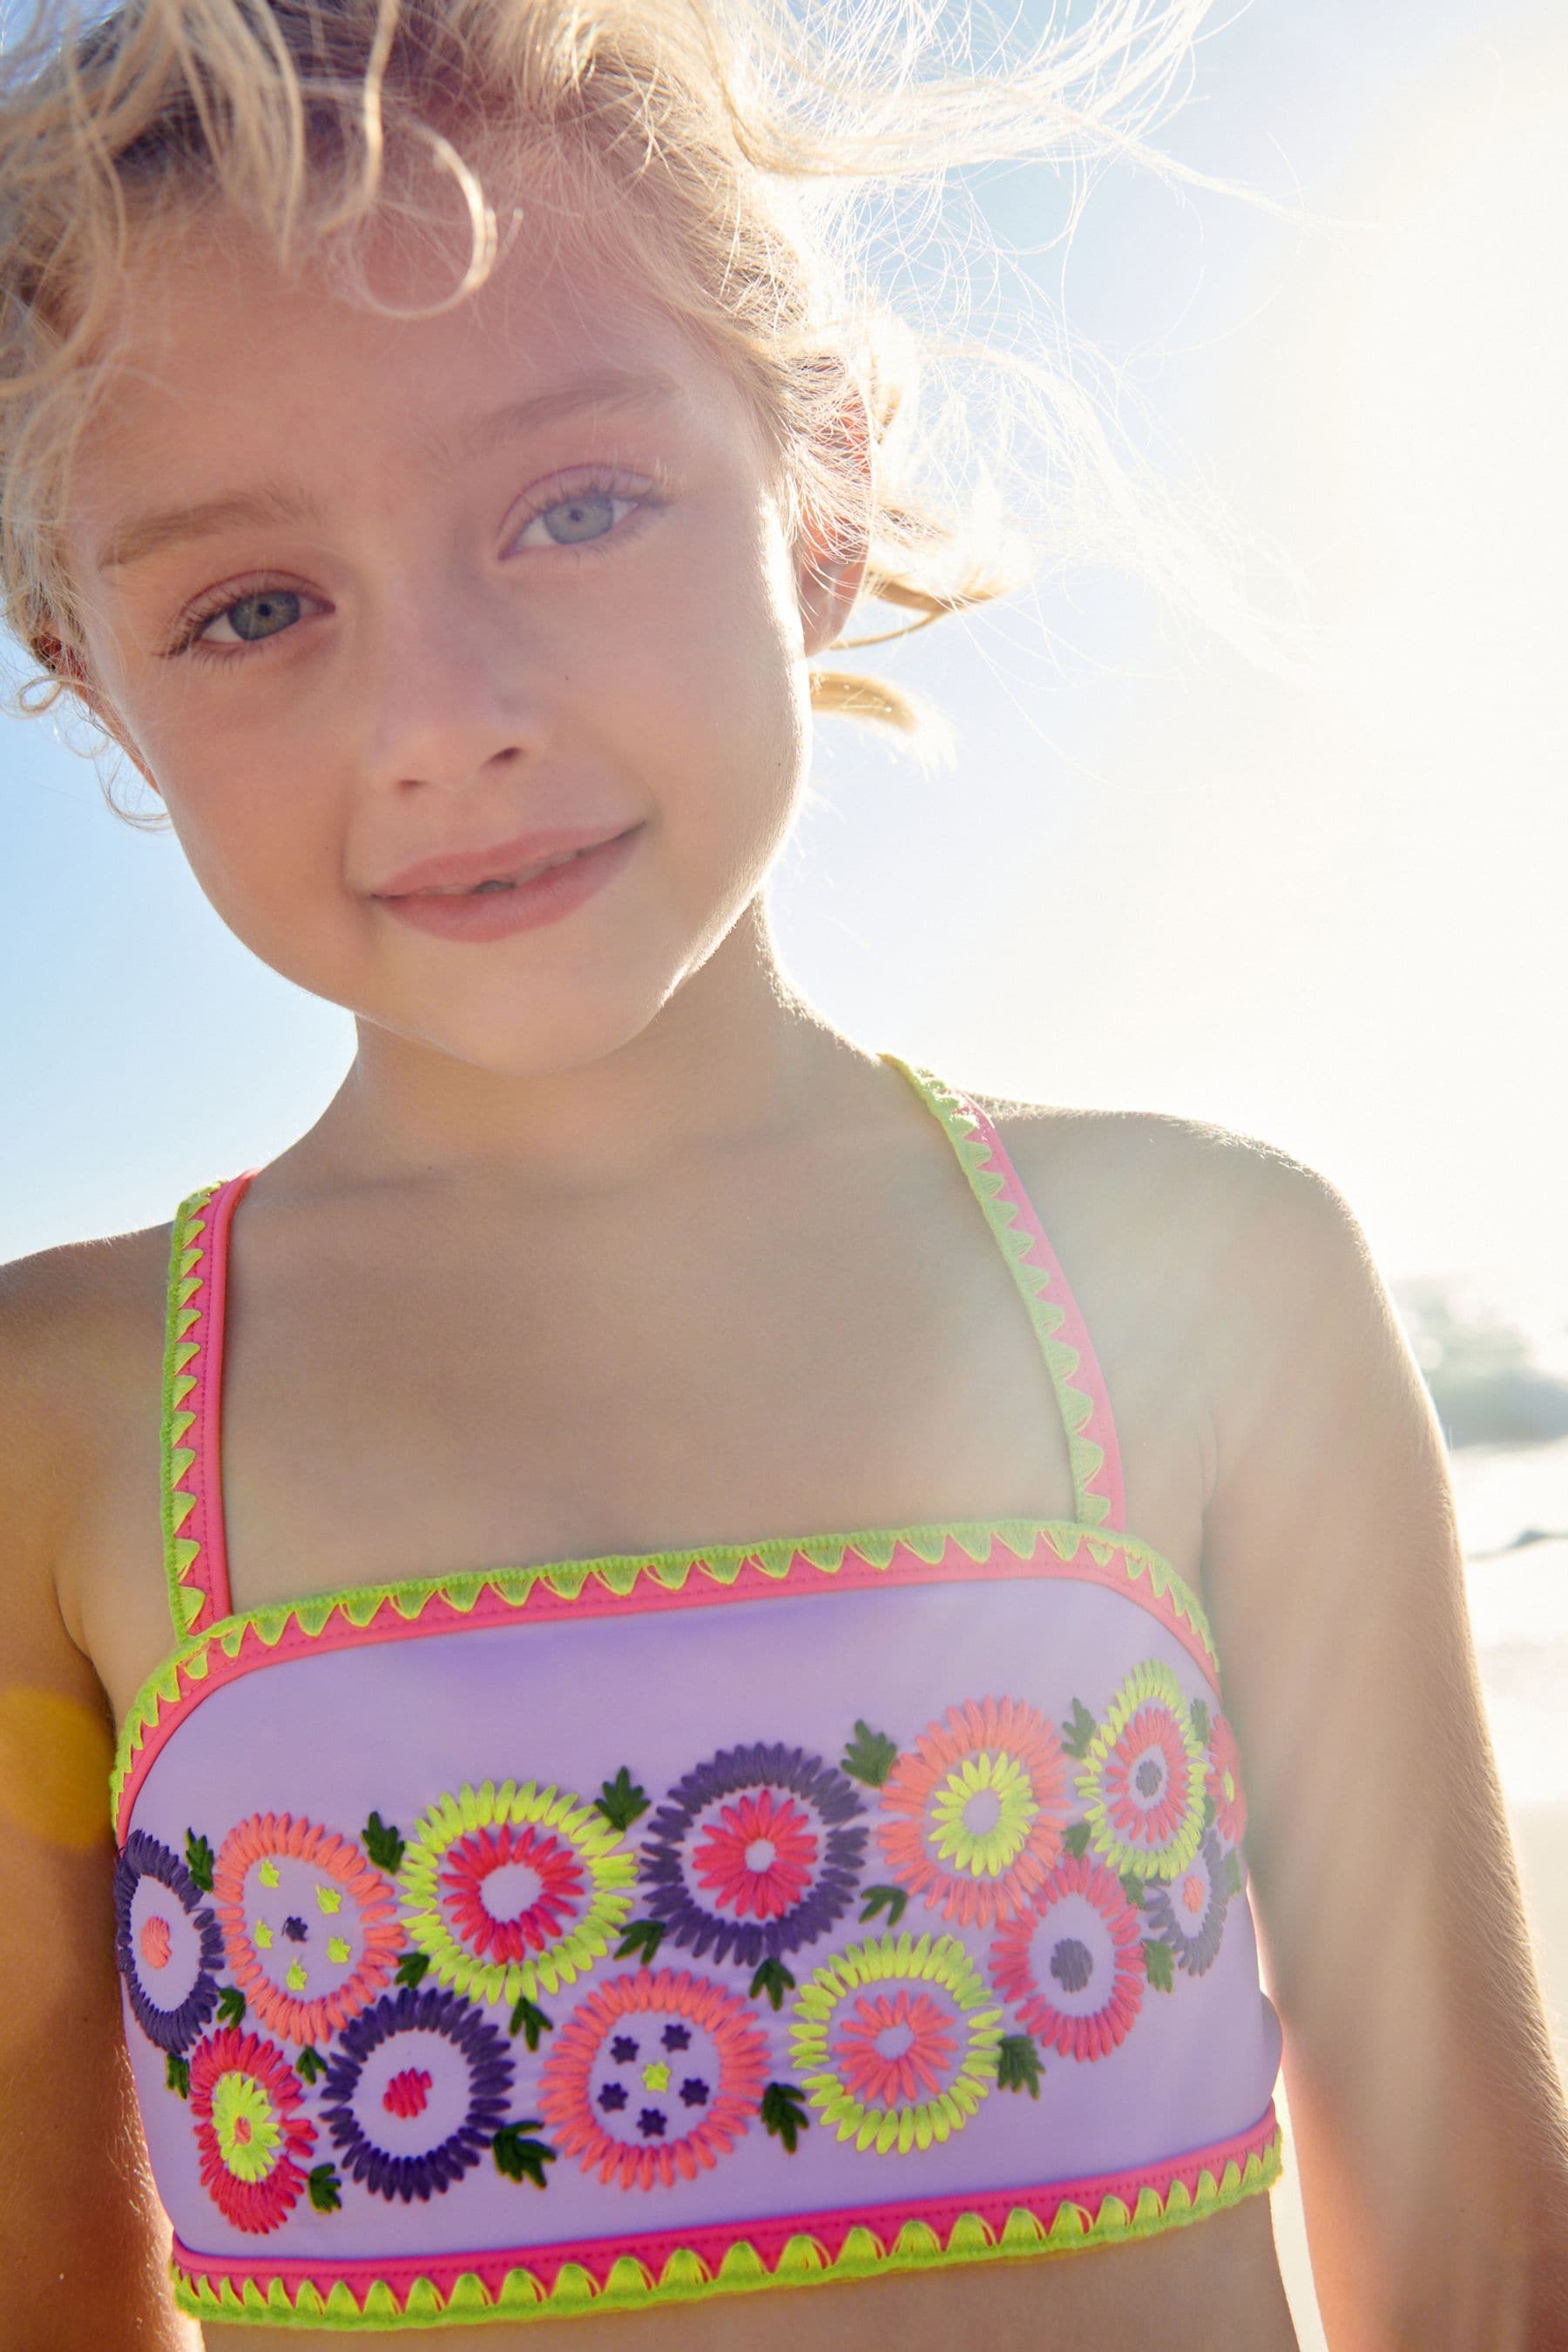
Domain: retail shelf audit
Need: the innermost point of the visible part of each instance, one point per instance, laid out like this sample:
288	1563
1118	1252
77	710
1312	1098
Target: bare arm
1429	2123
83	2240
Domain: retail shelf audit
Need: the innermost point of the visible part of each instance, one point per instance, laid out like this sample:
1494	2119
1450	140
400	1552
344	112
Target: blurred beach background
1156	877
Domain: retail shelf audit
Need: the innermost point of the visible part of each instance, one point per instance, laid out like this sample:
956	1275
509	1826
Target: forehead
219	361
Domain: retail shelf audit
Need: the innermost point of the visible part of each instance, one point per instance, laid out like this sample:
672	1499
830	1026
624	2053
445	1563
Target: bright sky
1330	916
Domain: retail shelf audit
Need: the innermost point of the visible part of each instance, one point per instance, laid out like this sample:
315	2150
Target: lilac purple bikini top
616	1932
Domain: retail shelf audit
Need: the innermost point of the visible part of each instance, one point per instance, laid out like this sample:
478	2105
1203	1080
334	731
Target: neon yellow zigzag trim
685	2278
186	1250
1046	1314
621	1574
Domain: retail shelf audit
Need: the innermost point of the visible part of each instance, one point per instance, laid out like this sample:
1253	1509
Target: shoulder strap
1068	1351
191	1473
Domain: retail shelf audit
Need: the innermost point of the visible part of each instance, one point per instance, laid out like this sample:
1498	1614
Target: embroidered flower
310	1923
894	2041
759	1857
754	1853
1225	1781
255	2144
980	1804
1188	1914
415	2091
1142	1781
1073	1962
513	1889
167	1943
655	2073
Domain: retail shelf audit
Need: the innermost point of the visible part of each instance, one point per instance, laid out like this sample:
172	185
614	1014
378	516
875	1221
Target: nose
448	686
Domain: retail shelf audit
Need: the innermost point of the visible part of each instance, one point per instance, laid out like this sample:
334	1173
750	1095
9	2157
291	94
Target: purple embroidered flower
1188	1914
168	1945
753	1853
394	2146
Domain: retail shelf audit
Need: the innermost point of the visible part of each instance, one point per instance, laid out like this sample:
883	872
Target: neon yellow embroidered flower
1143	1778
982	1813
514	1890
246	2126
889	2018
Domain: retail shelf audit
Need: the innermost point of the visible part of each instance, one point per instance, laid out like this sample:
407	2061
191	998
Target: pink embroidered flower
1142	1781
979	1803
1225	1781
758	1858
654	2075
895	2048
310	1923
510	1889
408	2094
255	2145
1073	1962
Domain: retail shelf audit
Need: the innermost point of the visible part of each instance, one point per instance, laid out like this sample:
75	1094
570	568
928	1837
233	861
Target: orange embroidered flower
979	1807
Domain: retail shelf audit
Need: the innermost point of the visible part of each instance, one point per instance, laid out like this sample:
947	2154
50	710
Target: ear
832	568
69	667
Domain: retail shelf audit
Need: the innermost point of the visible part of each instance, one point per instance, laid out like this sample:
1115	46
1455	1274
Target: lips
462	869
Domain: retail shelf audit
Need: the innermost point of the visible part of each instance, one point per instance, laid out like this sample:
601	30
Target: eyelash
569	486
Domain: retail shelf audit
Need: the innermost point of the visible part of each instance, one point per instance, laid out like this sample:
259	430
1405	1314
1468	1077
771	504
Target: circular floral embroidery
754	1853
255	2144
894	2042
167	1943
1188	1914
310	1923
979	1807
1073	1963
1225	1781
415	2091
1143	1778
513	1889
653	2074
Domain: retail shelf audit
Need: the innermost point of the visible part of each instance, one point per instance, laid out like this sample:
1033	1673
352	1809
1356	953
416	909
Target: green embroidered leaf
1018	2064
412	1967
891	1899
384	1845
1210	1810
1133	1887
178	2076
783	2113
231	2005
870	1755
1157	1960
309	2064
773	1979
324	2180
1078	1730
644	1937
522	2159
1232	1871
1200	1715
1076	1839
530	2021
199	1861
621	1801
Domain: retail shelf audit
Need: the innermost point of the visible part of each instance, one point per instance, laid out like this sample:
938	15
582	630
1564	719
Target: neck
734	1057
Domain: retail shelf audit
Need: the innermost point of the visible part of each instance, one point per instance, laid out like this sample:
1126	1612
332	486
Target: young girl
758	1641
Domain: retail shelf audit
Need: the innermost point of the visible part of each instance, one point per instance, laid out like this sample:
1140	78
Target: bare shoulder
1215	1234
74	1330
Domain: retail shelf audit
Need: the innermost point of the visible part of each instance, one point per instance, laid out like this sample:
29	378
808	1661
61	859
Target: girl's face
427	632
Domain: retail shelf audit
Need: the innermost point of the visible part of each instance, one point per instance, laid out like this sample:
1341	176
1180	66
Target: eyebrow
149	533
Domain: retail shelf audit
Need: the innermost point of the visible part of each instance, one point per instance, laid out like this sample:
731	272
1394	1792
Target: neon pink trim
542	1601
1100	1426
767	2238
211	1563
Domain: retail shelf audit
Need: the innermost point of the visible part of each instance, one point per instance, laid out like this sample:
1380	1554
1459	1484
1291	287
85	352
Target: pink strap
207	1398
1045	1289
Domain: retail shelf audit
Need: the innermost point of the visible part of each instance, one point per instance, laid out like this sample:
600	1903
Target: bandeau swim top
625	1931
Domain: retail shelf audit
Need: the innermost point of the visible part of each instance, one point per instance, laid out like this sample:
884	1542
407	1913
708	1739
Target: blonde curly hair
724	144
